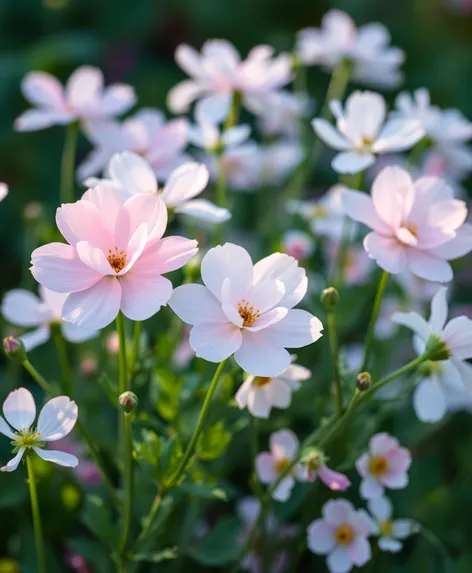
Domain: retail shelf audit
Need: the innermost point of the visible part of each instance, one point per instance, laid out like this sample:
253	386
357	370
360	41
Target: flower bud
14	348
436	349
329	298
312	458
363	381
128	402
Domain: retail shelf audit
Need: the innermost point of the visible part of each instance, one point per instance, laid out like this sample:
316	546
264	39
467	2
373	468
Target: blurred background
134	42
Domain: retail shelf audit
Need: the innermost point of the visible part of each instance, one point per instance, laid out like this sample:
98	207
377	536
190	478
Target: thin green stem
38	531
67	376
149	520
373	319
434	540
123	368
68	163
136	342
333	343
233	115
128	485
199	427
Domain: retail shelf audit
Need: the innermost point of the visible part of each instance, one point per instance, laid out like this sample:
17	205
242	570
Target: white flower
56	420
260	393
207	135
280	114
146	133
374	62
247	310
130	174
275	162
430	397
341	534
390	531
362	132
218	72
23	308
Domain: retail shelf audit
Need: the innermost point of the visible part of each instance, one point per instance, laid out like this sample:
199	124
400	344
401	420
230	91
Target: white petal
243	392
187	181
429	267
259	356
56	457
414	322
283	444
380	508
337	511
215	341
398	135
428	400
133	173
338	561
19	409
57	418
74	333
371	489
13	463
352	162
35	338
458	337
5	429
23	308
258	404
403	528
205	211
284	489
182	95
195	304
214	108
84	87
389	544
330	135
265	467
439	310
299	328
320	537
236	135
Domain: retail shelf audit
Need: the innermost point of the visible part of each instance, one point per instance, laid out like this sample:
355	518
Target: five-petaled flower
56	420
390	531
247	310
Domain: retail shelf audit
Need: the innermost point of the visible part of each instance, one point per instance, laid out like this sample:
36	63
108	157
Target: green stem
94	452
68	163
128	484
136	342
38	532
434	540
373	319
123	368
67	376
333	343
149	520
199	427
233	114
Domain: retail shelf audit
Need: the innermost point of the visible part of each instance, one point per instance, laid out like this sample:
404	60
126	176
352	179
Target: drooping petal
185	182
260	356
215	341
14	462
414	322
334	480
133	173
57	418
195	304
429	267
458	337
299	328
388	253
23	308
56	457
320	537
142	295
19	409
352	162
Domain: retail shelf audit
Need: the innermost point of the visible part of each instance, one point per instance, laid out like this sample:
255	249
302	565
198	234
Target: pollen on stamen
248	313
117	259
412	228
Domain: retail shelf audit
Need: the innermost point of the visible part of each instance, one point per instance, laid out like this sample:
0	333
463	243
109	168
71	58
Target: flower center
320	212
281	464
262	380
26	439
386	528
378	466
412	228
344	534
117	259
248	313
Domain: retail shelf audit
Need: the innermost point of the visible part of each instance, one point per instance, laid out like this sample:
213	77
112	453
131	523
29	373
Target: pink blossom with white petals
390	531
114	260
341	534
385	465
247	310
218	72
84	98
416	225
23	308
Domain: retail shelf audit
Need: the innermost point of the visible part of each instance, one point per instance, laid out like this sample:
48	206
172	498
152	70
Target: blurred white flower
390	531
280	114
3	191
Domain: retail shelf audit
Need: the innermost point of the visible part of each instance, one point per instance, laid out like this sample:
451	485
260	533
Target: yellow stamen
386	528
412	228
248	313
116	259
344	534
281	464
262	380
378	466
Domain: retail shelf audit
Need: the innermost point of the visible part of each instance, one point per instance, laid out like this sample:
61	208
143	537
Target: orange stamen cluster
344	534
117	259
378	466
248	313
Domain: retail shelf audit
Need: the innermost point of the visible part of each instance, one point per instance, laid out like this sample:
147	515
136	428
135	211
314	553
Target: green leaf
213	442
221	545
164	393
156	556
97	517
149	450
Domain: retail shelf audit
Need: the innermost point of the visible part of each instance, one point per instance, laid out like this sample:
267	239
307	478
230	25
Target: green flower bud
128	402
14	348
363	381
329	298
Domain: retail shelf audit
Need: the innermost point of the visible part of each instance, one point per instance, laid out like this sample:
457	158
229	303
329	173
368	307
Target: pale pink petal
330	135
278	393
143	295
5	429
399	460
284	268
381	508
215	341
142	208
284	489
19	409
169	254
359	206
36	337
195	304
243	392
299	328
414	322
133	173
3	191
458	337
33	119
14	462
429	267
334	480
136	246
57	267
381	444
439	310
53	300
57	418
94	258
393	194
457	247
258	404
388	253
259	356
362	465
265	467
338	561
84	87
23	308
213	108
396	481
76	334
371	488
189	60
205	211
338	511
283	444
168	141
43	90
56	457
95	307
117	99
109	202
185	182
82	221
182	95
320	537
352	162
449	214
235	136
265	295
268	319
359	551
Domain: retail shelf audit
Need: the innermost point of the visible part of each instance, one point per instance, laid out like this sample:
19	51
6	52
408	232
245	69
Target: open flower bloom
415	224
247	310
259	394
23	308
362	132
146	133
83	99
56	420
209	136
341	534
130	174
218	72
283	448
280	114
389	531
298	244
386	464
366	50
430	396
313	465
114	260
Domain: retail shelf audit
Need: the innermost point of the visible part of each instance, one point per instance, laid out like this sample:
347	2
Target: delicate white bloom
389	531
83	99
386	464
146	133
218	72
341	534
298	245
362	132
209	136
275	162
283	448
56	420
365	49
130	174
23	308
280	115
430	397
259	394
247	310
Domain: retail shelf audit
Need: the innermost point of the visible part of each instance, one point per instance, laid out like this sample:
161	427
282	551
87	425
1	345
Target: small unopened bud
128	402
33	211
329	298
436	349
14	348
313	458
363	381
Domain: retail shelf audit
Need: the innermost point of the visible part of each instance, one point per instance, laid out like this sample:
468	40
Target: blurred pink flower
298	245
87	472
357	266
183	353
83	99
114	260
76	562
112	342
313	465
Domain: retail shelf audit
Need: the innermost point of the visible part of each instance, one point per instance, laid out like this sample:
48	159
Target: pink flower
283	448
385	465
146	133
87	472
76	562
342	534
416	225
83	99
114	260
298	245
247	310
313	465
218	72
